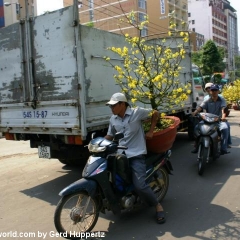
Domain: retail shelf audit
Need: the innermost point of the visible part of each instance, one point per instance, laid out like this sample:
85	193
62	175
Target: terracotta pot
164	139
235	107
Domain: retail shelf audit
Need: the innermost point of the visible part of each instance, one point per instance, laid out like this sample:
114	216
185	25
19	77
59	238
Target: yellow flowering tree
232	93
150	69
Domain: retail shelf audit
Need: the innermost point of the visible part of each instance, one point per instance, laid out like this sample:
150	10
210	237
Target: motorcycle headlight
95	148
210	119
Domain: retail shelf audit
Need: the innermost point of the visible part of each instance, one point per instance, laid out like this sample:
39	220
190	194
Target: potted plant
232	94
149	73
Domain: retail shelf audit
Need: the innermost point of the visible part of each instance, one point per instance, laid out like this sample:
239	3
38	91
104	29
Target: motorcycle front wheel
203	159
160	183
76	213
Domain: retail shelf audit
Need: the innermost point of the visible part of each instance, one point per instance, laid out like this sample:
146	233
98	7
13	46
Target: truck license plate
44	152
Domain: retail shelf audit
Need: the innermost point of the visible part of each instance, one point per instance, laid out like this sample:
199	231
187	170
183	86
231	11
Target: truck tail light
75	140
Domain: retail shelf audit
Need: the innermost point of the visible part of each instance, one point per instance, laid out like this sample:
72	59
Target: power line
116	16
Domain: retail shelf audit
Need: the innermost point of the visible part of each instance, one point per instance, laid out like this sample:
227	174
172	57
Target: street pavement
197	207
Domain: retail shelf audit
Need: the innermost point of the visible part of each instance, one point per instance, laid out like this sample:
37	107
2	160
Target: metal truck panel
99	82
52	118
55	56
46	99
10	65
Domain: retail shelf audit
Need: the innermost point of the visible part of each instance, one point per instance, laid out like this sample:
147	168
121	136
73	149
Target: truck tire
74	162
78	157
63	161
192	122
190	130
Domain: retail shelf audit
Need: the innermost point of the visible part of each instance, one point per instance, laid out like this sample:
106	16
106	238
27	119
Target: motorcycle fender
206	141
83	184
169	167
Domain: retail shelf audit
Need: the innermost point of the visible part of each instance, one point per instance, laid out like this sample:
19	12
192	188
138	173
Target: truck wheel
190	133
192	122
73	162
63	161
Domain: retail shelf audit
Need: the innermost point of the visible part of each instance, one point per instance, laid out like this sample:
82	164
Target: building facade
14	10
107	15
217	22
232	34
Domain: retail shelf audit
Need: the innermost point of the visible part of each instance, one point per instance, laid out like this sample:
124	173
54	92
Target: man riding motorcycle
216	105
129	121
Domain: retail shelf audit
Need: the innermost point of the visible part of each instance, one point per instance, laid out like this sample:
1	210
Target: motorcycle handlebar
122	147
198	115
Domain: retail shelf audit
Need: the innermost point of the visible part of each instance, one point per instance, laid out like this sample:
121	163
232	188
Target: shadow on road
190	207
48	191
196	207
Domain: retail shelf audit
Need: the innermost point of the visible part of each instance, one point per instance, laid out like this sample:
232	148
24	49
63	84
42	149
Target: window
144	32
189	14
193	29
141	17
193	21
142	4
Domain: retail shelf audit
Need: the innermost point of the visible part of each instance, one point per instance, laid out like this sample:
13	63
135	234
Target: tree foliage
197	58
210	58
150	70
237	67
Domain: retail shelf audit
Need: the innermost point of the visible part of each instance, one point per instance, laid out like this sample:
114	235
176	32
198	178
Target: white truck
54	83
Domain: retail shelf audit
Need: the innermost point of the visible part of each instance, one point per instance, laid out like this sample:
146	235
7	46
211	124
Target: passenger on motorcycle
207	88
129	121
216	105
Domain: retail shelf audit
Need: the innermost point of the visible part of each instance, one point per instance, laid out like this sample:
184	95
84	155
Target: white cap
209	84
117	97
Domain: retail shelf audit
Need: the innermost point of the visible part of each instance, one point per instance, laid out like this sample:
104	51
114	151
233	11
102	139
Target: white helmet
208	85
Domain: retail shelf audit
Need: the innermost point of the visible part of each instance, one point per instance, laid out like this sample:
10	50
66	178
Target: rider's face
118	108
208	90
214	92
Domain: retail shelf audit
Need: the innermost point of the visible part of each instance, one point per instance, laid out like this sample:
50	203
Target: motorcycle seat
151	158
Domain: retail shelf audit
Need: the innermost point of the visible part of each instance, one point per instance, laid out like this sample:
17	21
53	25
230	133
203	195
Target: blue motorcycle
106	185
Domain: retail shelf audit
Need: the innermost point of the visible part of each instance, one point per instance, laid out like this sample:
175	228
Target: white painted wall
201	12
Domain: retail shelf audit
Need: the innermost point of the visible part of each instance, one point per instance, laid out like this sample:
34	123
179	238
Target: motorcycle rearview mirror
118	136
93	134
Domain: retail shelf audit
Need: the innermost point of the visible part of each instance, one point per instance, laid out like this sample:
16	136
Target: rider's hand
149	134
194	113
224	119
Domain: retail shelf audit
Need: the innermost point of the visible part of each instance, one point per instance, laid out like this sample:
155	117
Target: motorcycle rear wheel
202	160
160	183
68	218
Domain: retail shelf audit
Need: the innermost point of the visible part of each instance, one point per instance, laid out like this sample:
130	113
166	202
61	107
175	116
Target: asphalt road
197	207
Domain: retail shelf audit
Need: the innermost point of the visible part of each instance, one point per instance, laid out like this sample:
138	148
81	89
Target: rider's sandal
160	217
